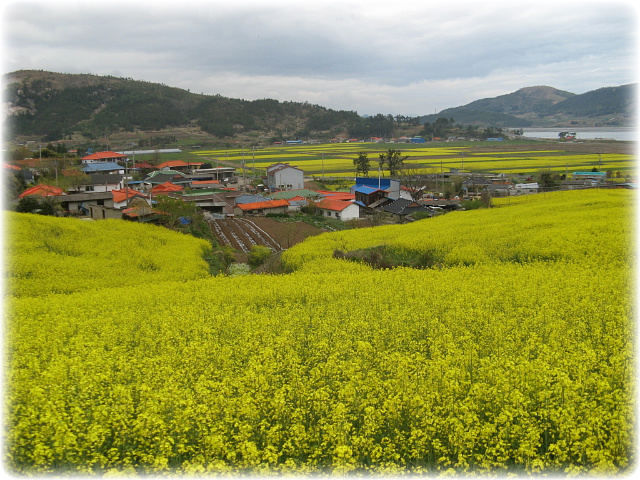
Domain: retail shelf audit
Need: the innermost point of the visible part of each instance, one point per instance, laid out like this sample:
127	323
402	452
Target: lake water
628	134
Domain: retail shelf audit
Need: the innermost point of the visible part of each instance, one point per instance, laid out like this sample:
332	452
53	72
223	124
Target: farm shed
499	190
594	177
261	208
221	203
222	174
525	188
179	165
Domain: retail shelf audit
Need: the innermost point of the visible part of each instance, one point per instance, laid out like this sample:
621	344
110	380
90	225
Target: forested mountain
56	105
541	106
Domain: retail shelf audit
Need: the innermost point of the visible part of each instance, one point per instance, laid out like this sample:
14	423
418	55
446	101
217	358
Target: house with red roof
340	209
122	197
104	157
145	165
43	191
261	208
166	187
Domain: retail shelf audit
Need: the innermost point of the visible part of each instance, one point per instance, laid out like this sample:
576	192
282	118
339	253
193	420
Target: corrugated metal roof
366	189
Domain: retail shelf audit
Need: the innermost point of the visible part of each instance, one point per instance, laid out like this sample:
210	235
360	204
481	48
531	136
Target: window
88	188
337	215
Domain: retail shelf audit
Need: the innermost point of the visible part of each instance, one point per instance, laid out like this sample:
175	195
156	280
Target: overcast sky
390	57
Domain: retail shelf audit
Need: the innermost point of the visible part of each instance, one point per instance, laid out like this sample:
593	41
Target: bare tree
417	181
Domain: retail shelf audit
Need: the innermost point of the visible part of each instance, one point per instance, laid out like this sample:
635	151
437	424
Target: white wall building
283	176
525	188
342	210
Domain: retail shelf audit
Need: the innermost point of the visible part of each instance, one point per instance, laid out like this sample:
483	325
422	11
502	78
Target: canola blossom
337	159
510	352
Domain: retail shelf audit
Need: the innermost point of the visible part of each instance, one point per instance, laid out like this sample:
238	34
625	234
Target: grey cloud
312	47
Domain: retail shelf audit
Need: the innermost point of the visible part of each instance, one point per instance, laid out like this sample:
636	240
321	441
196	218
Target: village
104	187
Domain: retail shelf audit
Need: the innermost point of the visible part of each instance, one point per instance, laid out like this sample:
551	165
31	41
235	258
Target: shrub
258	255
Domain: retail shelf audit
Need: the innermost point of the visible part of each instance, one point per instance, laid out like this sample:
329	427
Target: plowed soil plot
242	233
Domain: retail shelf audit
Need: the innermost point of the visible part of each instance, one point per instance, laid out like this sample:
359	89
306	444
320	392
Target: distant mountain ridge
547	106
54	106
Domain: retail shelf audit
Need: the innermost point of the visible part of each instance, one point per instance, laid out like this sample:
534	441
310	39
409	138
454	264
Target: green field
502	343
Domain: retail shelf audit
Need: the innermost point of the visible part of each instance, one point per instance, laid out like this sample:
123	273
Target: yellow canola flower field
510	352
61	255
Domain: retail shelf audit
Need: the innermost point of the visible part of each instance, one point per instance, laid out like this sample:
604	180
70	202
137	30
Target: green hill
510	350
57	105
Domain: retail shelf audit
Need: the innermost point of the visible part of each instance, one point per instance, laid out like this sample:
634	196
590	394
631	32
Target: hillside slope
56	105
513	353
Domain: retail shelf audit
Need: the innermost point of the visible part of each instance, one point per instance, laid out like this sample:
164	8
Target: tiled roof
12	167
167	187
262	205
121	195
42	190
341	196
335	205
103	155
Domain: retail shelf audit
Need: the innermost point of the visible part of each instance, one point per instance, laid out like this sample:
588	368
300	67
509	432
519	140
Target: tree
417	181
173	210
394	160
362	164
37	204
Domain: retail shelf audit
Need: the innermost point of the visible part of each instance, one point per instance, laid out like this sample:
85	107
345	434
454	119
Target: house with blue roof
370	190
366	195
